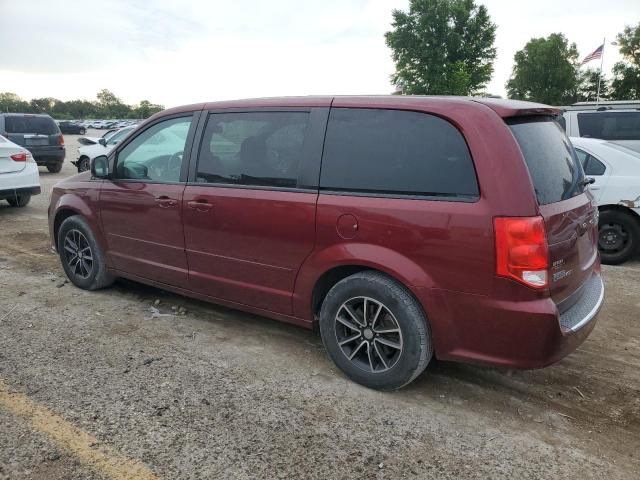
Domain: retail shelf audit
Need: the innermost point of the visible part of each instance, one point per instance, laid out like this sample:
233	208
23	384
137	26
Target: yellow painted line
102	459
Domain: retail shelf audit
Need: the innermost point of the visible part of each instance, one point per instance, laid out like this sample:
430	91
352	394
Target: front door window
156	154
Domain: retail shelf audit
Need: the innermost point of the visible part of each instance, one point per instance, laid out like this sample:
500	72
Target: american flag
597	53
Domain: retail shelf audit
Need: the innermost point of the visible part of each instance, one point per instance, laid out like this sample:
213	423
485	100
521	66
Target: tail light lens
19	157
521	250
60	140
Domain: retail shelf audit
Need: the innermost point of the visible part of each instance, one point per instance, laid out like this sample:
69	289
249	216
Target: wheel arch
619	208
327	267
69	205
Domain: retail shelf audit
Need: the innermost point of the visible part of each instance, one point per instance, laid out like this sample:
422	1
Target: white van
614	121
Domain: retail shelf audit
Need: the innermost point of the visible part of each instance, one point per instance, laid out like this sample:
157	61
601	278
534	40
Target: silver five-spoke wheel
77	253
368	334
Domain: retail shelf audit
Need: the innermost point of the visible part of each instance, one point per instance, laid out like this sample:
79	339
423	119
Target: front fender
372	256
77	201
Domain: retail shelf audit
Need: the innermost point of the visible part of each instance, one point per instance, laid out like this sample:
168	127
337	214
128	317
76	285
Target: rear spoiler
517	108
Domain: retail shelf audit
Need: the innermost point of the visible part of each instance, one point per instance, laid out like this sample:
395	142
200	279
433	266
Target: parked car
102	147
616	173
37	133
617	122
94	140
19	178
72	127
406	243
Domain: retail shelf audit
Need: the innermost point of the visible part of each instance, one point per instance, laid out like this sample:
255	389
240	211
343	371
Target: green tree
626	74
546	71
146	109
111	106
10	102
42	105
442	47
588	86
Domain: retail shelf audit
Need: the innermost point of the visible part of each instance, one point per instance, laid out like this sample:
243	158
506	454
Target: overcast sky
185	51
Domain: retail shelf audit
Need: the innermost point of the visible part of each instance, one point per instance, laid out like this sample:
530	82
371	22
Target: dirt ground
214	393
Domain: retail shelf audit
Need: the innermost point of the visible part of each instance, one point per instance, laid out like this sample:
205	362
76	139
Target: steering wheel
175	162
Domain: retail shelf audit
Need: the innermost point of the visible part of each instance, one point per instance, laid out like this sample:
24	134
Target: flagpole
604	41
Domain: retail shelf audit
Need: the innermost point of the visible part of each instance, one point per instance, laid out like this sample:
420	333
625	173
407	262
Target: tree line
106	106
446	47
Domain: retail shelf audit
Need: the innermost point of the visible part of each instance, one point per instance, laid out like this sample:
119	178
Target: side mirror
100	167
102	142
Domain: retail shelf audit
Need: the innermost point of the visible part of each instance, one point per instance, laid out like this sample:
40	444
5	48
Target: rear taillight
61	140
19	157
521	250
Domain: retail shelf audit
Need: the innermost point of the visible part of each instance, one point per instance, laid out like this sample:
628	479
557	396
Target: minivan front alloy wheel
77	253
82	258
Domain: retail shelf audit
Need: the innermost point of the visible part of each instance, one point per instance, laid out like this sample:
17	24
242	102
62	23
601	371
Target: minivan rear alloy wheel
375	331
618	236
368	334
82	259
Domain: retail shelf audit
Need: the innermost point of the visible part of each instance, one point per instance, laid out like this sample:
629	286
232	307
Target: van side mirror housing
102	142
100	167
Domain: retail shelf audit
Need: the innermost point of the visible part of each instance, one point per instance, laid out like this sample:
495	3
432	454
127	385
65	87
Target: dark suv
402	227
72	128
39	134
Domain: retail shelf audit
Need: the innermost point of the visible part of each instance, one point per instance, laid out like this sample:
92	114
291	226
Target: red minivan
402	227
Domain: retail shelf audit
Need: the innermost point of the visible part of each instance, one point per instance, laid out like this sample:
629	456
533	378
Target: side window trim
309	171
195	116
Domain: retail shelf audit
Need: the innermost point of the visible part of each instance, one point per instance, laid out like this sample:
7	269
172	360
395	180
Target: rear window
41	125
610	125
396	152
552	162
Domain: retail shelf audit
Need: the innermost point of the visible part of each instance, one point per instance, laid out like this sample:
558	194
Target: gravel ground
208	392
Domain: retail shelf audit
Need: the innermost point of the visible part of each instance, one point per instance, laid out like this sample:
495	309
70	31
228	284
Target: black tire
83	131
81	274
618	236
19	200
404	314
84	164
54	167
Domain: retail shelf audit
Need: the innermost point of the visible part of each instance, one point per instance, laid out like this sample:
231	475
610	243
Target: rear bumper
26	180
4	194
512	334
48	155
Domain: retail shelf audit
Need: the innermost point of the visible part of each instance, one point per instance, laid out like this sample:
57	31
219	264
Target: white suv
615	170
19	177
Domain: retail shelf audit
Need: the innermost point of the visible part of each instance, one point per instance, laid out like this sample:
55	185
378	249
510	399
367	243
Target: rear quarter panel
423	243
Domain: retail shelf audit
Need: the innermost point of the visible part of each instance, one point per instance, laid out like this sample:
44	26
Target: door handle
165	202
199	205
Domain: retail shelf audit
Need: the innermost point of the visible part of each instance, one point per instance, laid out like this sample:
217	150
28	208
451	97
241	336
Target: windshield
26	124
552	162
119	135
